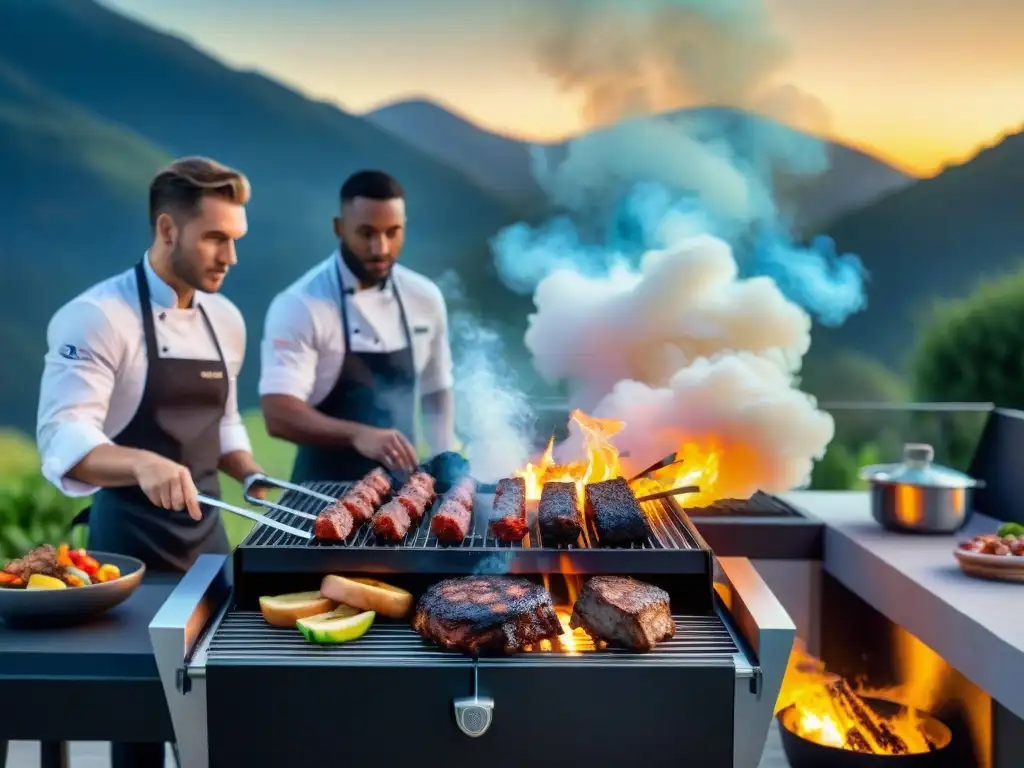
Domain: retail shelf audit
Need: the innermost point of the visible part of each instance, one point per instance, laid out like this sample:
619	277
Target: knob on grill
474	715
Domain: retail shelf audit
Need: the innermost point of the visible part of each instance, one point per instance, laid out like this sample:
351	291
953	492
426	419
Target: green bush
839	469
33	512
972	349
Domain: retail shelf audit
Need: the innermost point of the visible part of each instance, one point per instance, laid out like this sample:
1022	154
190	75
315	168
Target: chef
138	399
352	347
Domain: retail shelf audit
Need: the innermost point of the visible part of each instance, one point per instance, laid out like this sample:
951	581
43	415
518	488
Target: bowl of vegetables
59	585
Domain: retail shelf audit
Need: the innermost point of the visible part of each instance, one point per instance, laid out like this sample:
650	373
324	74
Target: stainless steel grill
243	637
758	505
668	530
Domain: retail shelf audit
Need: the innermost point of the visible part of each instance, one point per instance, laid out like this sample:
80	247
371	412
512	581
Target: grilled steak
615	513
452	519
558	514
481	613
509	522
620	609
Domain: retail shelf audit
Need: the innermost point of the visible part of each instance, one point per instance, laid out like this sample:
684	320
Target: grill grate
669	532
758	505
244	638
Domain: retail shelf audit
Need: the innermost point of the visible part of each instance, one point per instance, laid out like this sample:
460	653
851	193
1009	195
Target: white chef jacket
96	365
304	344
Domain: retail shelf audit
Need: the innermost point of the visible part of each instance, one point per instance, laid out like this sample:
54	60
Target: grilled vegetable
108	572
75	577
11	580
367	595
285	610
338	626
39	581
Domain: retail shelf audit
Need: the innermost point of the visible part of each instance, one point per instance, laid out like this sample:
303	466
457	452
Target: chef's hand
386	446
168	484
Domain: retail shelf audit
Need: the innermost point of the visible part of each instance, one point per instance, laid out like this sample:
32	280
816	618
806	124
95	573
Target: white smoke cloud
493	415
683	351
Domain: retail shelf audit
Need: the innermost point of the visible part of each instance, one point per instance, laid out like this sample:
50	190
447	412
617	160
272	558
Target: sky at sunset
919	83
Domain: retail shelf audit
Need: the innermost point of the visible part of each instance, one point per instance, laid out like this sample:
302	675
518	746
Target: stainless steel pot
916	496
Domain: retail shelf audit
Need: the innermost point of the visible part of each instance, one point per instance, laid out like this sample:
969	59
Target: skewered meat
452	519
620	609
334	523
392	521
558	514
509	523
337	521
416	495
478	613
615	513
41	560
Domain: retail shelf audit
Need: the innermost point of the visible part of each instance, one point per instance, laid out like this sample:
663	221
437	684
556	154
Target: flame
696	463
602	458
826	710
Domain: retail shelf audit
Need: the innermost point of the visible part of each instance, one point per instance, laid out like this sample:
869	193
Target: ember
824	708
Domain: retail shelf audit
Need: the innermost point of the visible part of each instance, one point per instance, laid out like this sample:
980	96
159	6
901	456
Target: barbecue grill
242	692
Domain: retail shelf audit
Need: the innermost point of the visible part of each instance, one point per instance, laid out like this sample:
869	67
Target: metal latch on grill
474	714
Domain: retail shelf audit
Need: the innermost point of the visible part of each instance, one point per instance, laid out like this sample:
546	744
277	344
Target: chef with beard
354	345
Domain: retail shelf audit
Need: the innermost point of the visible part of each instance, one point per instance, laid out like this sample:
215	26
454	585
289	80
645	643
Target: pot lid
917	469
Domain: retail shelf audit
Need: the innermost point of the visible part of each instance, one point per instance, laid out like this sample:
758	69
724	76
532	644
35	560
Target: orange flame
819	715
696	463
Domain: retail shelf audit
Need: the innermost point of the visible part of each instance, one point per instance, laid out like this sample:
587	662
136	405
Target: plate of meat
60	586
997	555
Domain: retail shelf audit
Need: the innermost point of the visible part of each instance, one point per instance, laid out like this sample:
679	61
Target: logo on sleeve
419	330
71	352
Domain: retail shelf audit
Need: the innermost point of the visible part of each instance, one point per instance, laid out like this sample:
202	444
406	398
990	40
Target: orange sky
921	84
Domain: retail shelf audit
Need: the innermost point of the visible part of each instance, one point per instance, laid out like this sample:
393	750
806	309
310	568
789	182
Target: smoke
671	293
494	416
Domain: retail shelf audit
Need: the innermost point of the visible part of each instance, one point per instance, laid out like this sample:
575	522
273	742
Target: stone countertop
914	580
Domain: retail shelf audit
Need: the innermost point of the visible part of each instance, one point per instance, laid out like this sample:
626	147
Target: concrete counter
914	581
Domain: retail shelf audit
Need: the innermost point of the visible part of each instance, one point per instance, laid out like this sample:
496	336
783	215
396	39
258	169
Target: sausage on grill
452	520
333	523
509	522
337	521
558	514
392	521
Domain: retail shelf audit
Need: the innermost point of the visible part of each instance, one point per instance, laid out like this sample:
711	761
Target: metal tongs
670	492
261	519
260	479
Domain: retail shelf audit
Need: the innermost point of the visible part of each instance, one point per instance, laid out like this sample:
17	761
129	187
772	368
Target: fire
827	710
695	463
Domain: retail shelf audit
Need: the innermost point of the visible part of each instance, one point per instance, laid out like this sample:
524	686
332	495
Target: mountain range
501	164
92	103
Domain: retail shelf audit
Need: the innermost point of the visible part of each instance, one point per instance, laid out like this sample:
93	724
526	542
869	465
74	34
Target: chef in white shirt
138	402
352	346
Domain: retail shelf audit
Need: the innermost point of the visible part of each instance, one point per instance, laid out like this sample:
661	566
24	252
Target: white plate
1012	562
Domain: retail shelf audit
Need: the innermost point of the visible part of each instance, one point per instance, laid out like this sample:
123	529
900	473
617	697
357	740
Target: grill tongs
270	482
261	519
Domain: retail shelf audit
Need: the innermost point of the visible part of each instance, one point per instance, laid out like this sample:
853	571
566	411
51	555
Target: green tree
972	349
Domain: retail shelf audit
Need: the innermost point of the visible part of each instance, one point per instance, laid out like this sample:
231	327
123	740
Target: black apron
179	418
374	388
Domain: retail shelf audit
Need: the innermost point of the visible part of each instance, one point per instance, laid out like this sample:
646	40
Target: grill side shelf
674	547
245	639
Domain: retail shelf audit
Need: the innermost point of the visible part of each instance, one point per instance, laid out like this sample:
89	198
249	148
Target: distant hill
936	238
502	164
81	134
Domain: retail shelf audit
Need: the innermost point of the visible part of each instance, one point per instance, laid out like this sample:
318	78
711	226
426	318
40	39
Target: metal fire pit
804	753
